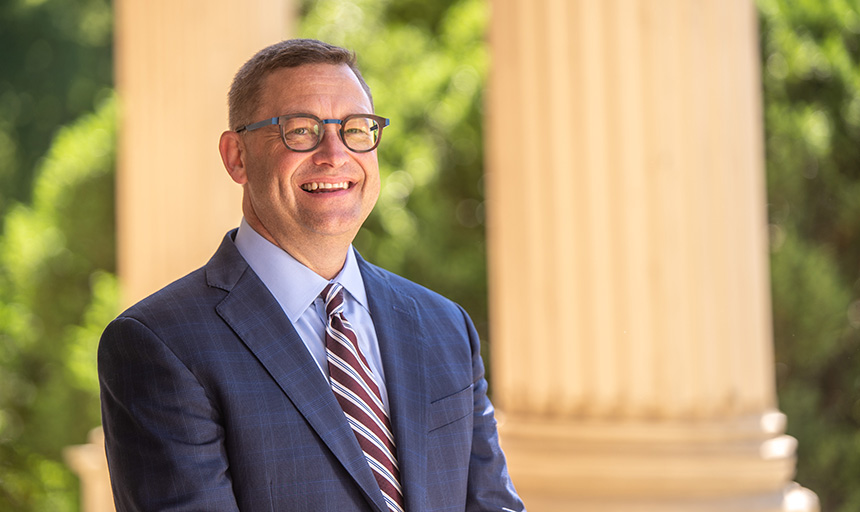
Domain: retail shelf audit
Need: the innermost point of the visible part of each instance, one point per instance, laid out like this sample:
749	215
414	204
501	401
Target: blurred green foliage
55	65
811	75
56	295
56	239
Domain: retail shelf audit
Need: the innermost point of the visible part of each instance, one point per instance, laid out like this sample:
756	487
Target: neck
326	262
324	255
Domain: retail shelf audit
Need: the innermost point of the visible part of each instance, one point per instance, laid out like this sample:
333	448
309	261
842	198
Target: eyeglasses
304	132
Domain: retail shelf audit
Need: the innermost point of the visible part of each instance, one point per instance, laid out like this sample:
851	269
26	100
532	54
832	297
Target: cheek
371	171
275	173
374	185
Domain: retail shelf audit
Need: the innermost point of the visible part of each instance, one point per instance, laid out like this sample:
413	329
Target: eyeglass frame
382	122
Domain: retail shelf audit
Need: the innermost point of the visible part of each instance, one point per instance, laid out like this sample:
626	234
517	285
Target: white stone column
174	64
629	292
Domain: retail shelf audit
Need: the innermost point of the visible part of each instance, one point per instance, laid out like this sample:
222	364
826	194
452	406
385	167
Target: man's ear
233	155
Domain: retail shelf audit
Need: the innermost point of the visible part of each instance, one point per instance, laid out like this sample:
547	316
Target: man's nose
331	150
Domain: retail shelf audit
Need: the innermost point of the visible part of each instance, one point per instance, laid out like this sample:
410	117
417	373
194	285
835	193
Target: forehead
320	89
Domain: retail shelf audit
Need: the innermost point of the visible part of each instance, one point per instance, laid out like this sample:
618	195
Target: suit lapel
256	317
395	317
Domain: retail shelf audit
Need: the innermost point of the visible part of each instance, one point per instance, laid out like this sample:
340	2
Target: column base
89	462
791	499
709	465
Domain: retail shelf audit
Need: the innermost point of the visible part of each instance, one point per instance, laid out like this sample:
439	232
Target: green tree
55	62
56	295
56	239
810	51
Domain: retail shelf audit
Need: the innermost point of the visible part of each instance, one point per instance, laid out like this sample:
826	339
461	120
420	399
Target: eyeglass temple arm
260	124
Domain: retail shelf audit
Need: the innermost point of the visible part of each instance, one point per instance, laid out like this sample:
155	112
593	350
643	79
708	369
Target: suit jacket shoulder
201	289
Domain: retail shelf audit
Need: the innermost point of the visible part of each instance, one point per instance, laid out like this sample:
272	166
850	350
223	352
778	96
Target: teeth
312	187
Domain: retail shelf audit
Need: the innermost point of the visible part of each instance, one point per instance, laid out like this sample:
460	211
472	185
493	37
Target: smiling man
288	373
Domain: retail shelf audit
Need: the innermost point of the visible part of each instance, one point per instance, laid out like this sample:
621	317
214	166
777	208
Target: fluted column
174	64
630	309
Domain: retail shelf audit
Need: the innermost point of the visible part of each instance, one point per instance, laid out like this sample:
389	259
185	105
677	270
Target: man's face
320	196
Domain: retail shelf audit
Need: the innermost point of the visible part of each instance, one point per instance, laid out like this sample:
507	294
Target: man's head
310	202
243	99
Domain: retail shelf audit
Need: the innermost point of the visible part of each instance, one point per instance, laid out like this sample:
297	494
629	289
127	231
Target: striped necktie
358	395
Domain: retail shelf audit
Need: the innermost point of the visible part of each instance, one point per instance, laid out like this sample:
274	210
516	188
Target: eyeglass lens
304	133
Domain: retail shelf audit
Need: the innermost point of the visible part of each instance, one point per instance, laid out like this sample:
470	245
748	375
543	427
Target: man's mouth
325	187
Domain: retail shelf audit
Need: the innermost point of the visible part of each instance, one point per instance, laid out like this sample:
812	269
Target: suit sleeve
489	487
163	435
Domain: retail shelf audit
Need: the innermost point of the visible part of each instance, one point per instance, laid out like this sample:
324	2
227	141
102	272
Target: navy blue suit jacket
211	402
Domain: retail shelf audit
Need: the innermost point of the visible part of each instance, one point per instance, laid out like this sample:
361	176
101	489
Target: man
288	373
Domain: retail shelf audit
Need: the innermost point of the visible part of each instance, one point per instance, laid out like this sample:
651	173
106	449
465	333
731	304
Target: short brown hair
248	82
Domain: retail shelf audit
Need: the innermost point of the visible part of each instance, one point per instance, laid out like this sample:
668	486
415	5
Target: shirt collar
294	285
350	278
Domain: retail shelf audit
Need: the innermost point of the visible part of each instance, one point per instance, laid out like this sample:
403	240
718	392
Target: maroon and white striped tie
358	395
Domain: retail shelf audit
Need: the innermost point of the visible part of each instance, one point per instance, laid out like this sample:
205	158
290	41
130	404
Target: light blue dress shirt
297	289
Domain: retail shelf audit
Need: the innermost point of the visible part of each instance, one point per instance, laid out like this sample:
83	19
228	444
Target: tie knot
332	295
